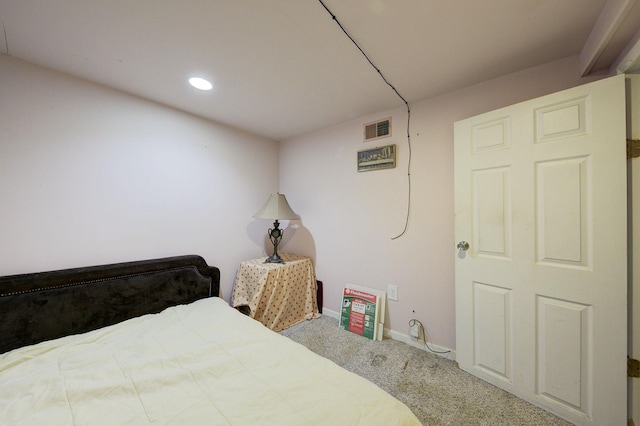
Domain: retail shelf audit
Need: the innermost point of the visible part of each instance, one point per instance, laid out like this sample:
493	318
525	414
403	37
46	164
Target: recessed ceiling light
200	83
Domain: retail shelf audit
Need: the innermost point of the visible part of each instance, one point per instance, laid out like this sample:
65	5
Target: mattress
201	363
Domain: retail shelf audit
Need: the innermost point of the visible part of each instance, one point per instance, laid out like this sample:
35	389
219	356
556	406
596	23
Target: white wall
348	218
89	175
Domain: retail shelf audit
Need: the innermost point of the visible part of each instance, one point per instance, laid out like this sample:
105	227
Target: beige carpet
434	388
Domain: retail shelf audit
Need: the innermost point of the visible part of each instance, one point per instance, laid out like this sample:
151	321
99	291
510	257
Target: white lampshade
277	208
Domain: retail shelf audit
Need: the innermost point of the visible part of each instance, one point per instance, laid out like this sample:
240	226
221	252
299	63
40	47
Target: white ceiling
284	67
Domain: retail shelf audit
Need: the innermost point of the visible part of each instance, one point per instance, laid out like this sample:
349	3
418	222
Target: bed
150	342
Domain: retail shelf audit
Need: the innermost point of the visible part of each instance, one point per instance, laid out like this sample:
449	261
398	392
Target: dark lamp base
274	259
275	235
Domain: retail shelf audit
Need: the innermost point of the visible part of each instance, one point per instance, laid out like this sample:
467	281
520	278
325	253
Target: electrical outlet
414	331
392	292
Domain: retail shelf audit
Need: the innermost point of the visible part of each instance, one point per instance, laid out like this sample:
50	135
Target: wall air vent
377	129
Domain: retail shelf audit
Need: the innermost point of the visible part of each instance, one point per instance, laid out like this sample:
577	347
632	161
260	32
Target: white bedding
203	363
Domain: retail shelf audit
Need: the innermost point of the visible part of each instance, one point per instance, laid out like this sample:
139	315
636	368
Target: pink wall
90	175
348	218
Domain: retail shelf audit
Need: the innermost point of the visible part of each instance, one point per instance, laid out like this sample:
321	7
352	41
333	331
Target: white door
633	118
541	291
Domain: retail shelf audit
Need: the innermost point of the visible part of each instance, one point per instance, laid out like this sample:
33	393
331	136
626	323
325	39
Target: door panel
540	194
492	213
563	206
564	337
492	324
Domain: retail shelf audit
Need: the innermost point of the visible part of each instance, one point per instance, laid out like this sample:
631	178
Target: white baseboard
433	348
404	338
330	313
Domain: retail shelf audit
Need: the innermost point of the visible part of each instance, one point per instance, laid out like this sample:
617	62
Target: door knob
463	245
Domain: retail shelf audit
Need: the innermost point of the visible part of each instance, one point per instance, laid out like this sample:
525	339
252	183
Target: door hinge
633	367
633	148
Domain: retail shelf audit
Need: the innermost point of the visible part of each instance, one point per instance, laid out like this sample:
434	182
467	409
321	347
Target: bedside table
278	295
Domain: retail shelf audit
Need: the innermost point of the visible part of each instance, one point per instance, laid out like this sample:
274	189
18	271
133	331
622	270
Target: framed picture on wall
382	157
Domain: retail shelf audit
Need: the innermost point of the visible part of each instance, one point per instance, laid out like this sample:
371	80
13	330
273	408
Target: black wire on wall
406	224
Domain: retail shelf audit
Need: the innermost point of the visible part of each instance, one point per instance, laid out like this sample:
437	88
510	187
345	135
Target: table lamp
276	208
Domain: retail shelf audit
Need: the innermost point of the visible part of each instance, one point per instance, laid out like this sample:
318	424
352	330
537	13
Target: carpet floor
434	388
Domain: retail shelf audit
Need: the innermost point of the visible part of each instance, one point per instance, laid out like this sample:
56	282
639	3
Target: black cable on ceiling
406	224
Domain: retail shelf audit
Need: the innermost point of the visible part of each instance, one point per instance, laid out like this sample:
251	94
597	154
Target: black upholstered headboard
47	305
